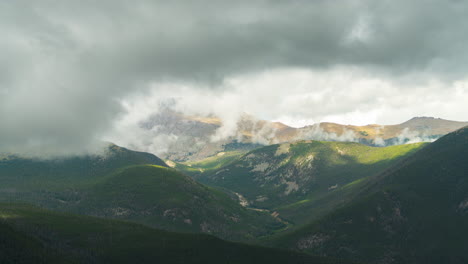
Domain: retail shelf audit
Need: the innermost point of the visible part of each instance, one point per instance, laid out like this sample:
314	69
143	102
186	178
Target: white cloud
303	97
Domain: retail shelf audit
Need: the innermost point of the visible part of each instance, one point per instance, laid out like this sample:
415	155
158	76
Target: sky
74	73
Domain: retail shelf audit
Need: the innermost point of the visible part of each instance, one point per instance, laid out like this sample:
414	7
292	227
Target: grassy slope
416	212
32	235
208	165
319	175
153	195
19	173
164	198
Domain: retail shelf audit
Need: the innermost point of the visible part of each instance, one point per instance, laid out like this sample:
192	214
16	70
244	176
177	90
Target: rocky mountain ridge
198	137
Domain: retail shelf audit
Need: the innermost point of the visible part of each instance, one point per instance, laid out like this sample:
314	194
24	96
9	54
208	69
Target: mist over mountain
181	137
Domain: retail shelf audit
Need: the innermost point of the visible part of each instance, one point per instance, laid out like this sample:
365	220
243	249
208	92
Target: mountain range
197	136
306	200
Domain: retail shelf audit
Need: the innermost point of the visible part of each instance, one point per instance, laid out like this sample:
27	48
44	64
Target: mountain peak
431	121
423	117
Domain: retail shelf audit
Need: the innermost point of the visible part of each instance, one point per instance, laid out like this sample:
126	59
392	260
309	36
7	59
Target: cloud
407	137
65	66
289	95
315	132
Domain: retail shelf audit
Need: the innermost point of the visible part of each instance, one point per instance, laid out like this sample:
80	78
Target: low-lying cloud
407	137
316	132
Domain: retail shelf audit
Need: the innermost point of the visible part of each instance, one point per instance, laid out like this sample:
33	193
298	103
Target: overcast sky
70	71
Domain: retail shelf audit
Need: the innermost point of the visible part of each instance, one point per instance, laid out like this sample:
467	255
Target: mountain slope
164	198
413	130
198	137
32	235
194	136
117	185
207	165
277	176
21	173
416	212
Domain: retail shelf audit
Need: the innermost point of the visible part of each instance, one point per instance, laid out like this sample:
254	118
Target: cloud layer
66	66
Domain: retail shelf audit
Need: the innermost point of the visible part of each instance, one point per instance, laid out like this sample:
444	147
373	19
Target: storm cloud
66	66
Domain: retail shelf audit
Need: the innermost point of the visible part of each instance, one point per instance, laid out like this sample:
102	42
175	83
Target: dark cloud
65	64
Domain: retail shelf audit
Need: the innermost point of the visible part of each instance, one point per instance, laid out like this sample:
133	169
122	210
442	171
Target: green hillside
32	235
117	185
296	179
208	165
164	198
23	173
415	212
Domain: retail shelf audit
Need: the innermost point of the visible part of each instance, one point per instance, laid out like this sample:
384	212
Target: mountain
133	186
206	165
32	235
164	198
199	137
414	212
416	129
19	173
293	175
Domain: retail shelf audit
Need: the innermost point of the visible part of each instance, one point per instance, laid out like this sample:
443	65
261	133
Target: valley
293	178
308	196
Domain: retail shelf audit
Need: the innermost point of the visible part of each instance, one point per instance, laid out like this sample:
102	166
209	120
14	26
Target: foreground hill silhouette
415	212
32	235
